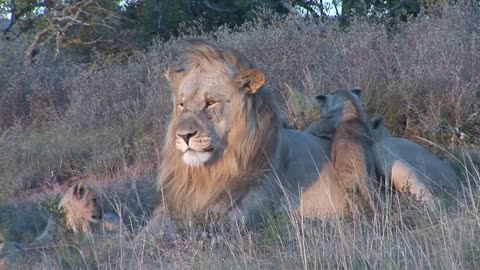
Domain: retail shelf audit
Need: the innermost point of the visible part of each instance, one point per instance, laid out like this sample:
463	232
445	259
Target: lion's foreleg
251	210
159	226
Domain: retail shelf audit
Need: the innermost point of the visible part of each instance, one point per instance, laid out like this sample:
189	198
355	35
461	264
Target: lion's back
307	155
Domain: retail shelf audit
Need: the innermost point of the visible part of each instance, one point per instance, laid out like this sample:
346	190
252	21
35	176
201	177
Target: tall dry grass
104	122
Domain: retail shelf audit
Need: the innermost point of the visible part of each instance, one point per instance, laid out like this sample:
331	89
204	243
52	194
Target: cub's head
336	102
342	106
80	204
211	86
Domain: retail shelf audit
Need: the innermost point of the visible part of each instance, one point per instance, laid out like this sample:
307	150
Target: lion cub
81	210
348	125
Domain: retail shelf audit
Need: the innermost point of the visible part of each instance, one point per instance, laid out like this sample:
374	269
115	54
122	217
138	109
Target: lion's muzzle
196	148
186	137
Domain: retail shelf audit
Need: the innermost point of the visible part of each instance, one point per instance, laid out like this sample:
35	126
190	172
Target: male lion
226	150
352	157
409	165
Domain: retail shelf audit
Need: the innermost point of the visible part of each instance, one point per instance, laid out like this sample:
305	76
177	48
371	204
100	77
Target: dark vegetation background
83	97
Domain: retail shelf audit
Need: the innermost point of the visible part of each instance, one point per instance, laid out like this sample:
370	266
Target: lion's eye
180	105
210	103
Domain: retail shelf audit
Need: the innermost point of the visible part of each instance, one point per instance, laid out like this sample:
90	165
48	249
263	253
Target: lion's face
204	116
205	102
80	202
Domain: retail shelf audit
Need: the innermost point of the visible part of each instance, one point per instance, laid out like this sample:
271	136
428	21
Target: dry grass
104	123
414	238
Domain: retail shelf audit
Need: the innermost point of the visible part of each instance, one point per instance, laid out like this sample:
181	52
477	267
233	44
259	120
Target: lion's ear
174	73
377	121
173	70
357	92
252	80
79	190
321	100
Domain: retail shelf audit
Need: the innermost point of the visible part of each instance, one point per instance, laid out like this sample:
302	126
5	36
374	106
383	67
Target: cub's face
80	202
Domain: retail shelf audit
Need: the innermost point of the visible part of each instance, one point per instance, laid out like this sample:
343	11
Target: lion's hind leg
405	179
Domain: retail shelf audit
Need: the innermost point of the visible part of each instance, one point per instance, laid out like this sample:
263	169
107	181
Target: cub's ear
321	100
79	190
252	80
357	92
377	122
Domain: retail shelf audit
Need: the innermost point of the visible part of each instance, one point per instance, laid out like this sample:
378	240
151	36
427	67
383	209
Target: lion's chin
196	159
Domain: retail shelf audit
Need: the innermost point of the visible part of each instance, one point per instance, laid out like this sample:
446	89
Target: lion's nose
186	137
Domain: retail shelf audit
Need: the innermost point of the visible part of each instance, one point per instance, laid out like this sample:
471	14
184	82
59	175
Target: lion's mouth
202	150
207	149
197	158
